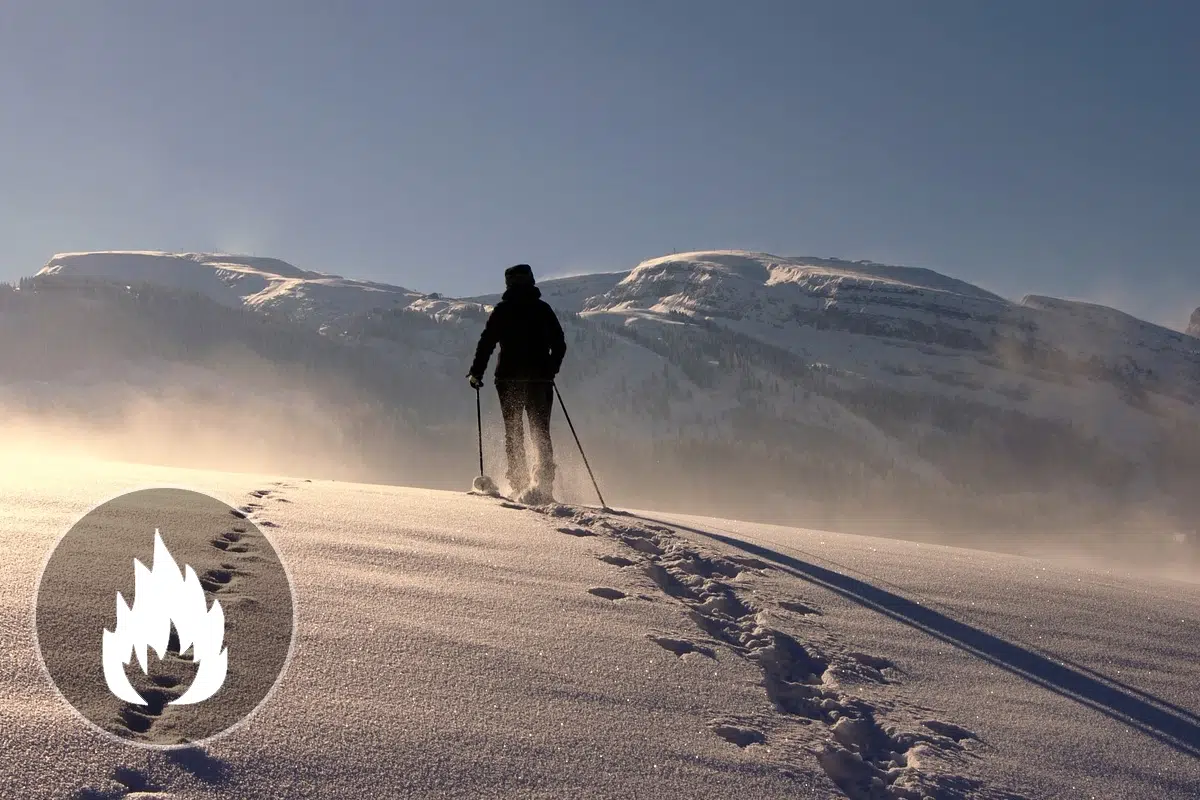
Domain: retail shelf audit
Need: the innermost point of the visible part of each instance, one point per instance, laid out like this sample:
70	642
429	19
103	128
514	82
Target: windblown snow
460	646
834	390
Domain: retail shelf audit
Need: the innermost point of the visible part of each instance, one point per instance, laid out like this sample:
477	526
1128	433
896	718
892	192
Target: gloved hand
475	381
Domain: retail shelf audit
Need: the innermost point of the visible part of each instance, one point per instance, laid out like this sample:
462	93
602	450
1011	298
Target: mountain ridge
278	277
862	383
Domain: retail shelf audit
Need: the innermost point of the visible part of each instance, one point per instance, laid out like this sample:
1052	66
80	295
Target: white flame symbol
163	596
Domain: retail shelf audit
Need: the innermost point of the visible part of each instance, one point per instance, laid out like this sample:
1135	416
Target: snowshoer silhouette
532	347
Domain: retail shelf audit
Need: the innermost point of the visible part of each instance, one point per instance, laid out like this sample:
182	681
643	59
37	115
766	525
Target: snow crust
457	646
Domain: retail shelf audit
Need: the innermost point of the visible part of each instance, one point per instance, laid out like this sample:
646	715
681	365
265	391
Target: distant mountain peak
1193	328
773	269
267	284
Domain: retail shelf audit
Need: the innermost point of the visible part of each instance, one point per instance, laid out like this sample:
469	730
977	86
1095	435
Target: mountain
806	390
264	284
1193	328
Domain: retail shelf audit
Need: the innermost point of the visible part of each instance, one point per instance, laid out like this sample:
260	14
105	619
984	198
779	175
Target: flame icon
164	596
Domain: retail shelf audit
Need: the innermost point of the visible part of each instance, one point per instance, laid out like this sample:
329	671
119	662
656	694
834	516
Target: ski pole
595	486
479	425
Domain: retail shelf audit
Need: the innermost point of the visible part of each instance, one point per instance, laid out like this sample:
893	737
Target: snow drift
453	646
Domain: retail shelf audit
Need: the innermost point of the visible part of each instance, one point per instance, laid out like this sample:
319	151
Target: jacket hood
522	292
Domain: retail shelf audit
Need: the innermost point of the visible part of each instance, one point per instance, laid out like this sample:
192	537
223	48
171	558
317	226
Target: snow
267	284
456	646
772	269
897	327
863	329
568	294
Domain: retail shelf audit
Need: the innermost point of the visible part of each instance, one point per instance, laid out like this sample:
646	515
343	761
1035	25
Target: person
532	348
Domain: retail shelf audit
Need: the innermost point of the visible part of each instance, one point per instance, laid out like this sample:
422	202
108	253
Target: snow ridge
265	284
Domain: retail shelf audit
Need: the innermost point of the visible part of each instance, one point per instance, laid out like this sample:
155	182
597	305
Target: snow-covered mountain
909	330
823	385
265	284
1193	328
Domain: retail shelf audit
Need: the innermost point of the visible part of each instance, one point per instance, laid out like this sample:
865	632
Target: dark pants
535	398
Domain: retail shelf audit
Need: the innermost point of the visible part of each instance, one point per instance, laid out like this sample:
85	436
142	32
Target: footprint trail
822	707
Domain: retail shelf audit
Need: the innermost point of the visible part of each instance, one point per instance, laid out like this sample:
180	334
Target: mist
152	375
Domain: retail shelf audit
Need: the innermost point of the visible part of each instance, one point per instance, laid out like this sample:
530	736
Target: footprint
736	734
232	536
617	561
237	513
681	647
750	562
949	730
214	580
134	780
137	721
129	780
139	718
798	608
644	546
201	765
577	531
607	593
874	662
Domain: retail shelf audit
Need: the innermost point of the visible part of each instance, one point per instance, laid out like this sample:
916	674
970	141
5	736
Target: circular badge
164	617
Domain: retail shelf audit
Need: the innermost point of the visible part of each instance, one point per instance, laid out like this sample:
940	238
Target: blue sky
1044	146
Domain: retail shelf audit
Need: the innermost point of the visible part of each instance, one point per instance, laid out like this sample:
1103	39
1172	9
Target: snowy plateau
909	539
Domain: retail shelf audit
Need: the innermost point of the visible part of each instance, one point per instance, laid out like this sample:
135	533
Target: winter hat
520	275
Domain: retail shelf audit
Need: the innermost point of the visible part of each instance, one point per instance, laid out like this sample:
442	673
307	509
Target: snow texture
459	646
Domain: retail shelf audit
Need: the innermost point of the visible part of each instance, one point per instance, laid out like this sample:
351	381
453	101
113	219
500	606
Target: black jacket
531	339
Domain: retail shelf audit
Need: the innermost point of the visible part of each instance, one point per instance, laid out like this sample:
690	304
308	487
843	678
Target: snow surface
568	294
267	284
456	646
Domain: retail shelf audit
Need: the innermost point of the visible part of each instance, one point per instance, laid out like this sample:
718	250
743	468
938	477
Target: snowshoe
535	496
